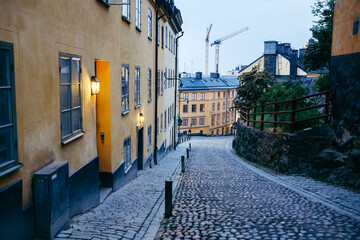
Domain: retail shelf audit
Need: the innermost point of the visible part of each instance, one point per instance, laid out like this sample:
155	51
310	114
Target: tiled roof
208	83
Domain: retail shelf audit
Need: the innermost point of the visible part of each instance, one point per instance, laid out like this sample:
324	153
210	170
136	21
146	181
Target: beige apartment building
206	105
77	102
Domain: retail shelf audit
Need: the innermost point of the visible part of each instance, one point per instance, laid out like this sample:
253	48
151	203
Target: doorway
140	148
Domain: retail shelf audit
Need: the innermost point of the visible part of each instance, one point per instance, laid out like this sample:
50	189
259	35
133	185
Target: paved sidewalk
129	212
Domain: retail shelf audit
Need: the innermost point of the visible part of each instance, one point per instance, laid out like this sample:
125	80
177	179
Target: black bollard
187	153
168	199
183	163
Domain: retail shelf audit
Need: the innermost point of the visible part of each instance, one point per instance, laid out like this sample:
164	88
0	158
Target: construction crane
219	41
207	51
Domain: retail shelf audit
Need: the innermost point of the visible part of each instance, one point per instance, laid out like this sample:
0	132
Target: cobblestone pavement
222	197
129	212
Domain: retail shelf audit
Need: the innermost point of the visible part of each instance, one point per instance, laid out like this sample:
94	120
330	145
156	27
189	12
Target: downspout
156	80
176	84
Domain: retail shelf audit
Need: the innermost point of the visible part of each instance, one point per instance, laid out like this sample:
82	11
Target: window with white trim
149	84
137	86
124	87
138	14
127	152
70	97
201	121
149	137
166	36
202	96
149	23
126	10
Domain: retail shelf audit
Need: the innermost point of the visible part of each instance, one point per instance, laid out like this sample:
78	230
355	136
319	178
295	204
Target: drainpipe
156	80
176	84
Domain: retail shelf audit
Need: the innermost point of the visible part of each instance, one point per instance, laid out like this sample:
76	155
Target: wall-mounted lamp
95	86
141	119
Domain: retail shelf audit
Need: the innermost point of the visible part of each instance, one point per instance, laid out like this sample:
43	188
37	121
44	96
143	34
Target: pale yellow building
206	105
51	53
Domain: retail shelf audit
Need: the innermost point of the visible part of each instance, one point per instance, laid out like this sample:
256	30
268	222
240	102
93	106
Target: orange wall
344	41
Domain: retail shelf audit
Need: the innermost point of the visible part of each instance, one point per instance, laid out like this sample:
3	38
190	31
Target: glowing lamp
95	86
141	119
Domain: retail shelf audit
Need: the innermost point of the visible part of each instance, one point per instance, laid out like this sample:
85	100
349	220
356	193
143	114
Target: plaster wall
259	62
282	65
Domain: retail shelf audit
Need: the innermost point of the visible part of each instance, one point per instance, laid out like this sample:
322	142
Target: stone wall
311	151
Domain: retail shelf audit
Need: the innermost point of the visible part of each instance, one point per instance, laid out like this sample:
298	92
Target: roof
208	83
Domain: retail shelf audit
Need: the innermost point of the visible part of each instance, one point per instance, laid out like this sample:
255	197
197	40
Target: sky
280	20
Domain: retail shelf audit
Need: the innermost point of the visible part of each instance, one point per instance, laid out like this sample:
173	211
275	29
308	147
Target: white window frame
125	88
138	14
126	10
127	153
137	86
150	24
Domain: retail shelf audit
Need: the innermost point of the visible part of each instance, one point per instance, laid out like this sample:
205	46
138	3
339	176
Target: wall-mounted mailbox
51	193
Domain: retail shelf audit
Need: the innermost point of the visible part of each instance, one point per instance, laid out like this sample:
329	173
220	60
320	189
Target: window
228	94
149	23
127	153
138	14
212	120
218	107
149	84
185	108
169	40
213	95
166	76
224	95
124	87
71	112
224	105
137	86
8	136
202	121
218	119
202	96
165	121
232	93
202	107
218	94
228	103
193	108
158	83
126	10
162	82
149	137
185	122
213	106
193	121
158	35
194	96
162	122
166	36
186	96
228	117
223	117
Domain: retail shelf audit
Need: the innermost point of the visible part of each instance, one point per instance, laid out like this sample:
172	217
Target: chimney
293	63
199	75
214	75
270	51
301	52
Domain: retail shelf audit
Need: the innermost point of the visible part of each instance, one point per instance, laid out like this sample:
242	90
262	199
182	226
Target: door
140	149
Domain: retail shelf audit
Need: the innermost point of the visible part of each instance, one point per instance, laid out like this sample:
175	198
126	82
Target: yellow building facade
206	105
51	53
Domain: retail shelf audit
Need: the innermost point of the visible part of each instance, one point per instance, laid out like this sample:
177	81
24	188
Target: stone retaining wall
310	151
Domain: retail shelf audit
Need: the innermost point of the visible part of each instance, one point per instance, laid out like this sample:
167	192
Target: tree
318	53
252	86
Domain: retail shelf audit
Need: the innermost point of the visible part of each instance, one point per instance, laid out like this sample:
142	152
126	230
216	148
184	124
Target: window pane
75	97
5	107
76	120
75	71
6	145
65	123
4	67
65	97
65	70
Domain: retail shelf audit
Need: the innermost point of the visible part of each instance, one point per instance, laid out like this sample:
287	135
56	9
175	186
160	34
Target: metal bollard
168	199
183	163
187	153
189	146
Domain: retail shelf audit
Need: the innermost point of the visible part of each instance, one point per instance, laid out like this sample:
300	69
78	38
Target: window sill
137	105
126	19
72	138
125	112
150	38
149	100
128	169
11	169
149	147
104	3
137	28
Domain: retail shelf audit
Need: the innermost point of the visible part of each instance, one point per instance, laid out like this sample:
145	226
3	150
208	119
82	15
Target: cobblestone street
223	197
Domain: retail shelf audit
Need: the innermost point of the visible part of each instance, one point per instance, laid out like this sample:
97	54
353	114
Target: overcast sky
280	20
